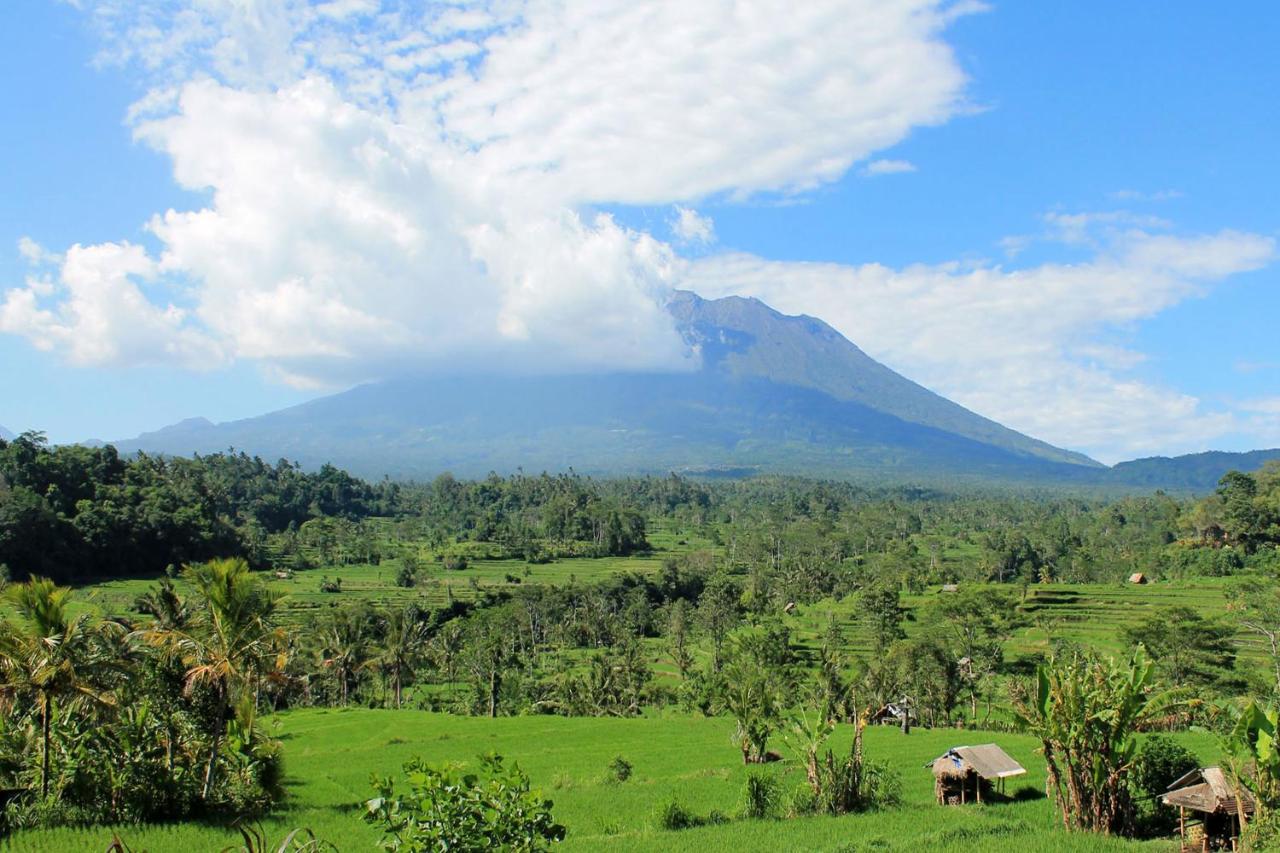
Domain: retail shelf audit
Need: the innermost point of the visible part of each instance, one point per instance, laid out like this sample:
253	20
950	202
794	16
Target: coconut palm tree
343	642
50	656
228	646
402	648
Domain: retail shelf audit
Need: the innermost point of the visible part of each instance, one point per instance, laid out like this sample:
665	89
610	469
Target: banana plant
1087	712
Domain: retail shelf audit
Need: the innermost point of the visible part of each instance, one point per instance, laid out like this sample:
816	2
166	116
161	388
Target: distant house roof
894	710
987	760
1207	790
1137	577
950	587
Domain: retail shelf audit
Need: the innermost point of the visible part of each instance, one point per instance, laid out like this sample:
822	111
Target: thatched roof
1137	577
1206	790
987	760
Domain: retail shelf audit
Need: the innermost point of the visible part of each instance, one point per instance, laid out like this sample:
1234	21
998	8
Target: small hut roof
987	760
1137	577
897	710
1207	790
950	587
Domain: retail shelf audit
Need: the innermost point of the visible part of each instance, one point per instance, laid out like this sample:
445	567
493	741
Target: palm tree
48	655
165	606
402	647
344	648
229	646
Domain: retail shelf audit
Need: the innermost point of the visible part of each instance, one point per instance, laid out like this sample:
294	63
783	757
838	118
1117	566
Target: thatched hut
1208	793
963	773
1137	577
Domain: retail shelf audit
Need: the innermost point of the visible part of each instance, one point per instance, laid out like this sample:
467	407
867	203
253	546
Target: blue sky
1071	230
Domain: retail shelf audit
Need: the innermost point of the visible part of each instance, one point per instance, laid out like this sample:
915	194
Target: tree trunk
45	726
493	692
213	750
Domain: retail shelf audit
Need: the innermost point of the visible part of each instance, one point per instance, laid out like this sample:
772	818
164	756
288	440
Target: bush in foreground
447	809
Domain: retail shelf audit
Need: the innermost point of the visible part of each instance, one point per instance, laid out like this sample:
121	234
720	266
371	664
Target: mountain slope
1199	472
774	393
745	337
6	435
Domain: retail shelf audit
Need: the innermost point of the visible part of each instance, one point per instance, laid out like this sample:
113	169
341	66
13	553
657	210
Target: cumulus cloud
101	316
689	226
395	185
1021	346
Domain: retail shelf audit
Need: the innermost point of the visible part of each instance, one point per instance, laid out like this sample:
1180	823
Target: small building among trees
965	773
1207	793
893	714
1137	577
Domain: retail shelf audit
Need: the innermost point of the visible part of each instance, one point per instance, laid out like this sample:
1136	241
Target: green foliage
881	602
619	769
447	809
672	814
1159	762
1187	648
761	797
1087	711
78	513
1251	742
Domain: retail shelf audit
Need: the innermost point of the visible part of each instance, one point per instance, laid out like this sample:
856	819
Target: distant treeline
75	513
81	513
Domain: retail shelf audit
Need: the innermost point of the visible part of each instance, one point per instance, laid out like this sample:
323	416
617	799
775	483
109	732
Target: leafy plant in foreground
1087	712
447	809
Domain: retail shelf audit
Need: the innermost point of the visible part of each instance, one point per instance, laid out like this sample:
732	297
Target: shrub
802	801
619	769
1160	761
760	798
334	585
407	577
455	562
673	814
446	809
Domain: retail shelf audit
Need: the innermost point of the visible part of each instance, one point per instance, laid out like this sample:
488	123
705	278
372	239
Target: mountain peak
6	435
744	337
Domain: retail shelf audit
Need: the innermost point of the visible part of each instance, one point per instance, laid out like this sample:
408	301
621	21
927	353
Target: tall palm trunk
45	727
213	750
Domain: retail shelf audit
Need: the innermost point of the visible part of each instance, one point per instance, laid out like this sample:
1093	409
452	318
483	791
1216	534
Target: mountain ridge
775	393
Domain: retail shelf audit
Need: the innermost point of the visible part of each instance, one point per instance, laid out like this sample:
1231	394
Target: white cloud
1020	345
689	226
396	185
888	167
100	315
35	254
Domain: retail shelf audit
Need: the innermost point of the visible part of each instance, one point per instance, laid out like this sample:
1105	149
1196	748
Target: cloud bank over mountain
384	187
388	186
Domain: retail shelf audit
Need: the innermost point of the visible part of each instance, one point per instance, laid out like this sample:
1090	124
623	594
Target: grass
331	754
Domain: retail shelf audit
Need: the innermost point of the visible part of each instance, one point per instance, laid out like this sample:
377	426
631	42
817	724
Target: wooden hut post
1182	827
977	786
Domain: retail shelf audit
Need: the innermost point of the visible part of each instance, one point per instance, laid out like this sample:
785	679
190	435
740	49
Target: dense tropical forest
163	614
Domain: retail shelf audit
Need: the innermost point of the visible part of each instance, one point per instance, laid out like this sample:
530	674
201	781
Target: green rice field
330	755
